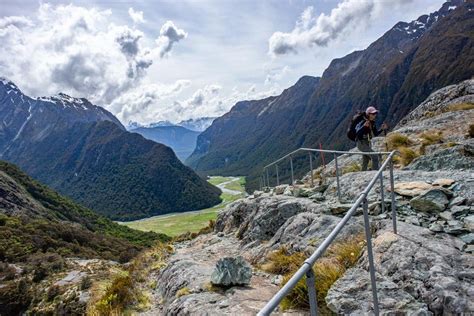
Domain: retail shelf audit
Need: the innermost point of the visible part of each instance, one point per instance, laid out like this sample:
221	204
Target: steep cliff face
421	270
395	73
84	152
235	142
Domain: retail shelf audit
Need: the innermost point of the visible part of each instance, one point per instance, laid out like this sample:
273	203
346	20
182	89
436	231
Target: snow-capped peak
9	85
416	28
68	101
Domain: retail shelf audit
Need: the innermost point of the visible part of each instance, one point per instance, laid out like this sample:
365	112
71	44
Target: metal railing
307	268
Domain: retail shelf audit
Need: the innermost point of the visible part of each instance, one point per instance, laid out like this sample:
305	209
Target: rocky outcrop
439	101
418	273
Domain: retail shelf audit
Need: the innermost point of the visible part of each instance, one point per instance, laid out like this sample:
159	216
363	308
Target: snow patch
24	124
267	107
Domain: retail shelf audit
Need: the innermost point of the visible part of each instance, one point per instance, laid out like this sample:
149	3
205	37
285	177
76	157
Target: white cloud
169	34
275	75
14	21
312	30
138	103
76	50
136	16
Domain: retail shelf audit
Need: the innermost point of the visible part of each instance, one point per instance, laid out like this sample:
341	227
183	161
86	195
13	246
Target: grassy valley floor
175	224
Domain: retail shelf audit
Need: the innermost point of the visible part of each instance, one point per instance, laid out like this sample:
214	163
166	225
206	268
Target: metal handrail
306	268
327	151
265	179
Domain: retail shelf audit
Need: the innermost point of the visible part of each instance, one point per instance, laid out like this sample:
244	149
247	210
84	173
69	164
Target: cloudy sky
147	61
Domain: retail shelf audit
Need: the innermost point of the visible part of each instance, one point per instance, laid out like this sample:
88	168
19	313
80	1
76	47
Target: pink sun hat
371	110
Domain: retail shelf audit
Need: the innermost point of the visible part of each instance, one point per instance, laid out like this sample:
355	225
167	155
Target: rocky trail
189	272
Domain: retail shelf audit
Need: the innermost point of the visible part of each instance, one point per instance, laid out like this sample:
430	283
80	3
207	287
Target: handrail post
278	179
337	179
392	190
260	183
382	194
311	167
311	285
368	236
268	178
292	176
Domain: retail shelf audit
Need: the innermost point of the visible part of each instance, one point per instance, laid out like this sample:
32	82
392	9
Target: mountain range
180	139
85	153
197	125
395	73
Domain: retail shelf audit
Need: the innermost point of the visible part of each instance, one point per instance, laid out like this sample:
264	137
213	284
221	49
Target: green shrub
52	292
86	283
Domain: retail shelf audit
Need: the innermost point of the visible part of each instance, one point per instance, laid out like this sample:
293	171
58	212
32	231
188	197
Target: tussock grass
431	137
353	167
459	107
127	287
183	291
283	262
397	140
338	258
407	155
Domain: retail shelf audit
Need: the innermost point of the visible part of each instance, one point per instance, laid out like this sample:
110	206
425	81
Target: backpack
351	131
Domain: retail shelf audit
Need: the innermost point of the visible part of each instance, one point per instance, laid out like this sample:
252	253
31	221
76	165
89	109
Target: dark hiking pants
364	145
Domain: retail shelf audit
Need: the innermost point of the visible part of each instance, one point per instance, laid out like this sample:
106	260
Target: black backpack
356	119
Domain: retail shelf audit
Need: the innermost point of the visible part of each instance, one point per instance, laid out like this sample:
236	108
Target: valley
175	224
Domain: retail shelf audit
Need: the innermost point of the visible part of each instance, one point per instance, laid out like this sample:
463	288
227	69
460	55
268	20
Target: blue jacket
364	132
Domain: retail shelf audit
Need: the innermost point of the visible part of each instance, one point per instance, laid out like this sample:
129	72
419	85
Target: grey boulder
433	201
231	271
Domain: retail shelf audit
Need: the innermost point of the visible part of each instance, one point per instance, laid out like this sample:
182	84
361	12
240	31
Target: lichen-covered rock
453	158
433	201
429	268
231	271
259	219
306	231
352	295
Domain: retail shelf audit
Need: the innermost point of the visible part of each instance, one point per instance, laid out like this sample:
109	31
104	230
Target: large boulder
433	201
231	271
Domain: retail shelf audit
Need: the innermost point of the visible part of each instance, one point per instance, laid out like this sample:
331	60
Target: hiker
365	130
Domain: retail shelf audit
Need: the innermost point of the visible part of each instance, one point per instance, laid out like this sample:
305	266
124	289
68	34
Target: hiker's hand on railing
384	126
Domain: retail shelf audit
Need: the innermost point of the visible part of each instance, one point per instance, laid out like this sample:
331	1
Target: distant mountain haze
84	152
180	139
395	73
